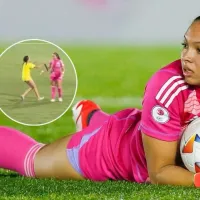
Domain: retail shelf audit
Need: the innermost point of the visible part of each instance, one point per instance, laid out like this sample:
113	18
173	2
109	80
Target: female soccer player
56	67
130	145
26	77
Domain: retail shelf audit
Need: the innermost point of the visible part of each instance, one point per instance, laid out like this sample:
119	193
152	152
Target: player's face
190	55
54	56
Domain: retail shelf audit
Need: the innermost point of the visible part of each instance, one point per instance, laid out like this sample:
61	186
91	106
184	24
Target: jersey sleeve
161	117
31	65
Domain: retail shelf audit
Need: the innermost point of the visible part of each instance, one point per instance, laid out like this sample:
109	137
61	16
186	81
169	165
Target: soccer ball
190	146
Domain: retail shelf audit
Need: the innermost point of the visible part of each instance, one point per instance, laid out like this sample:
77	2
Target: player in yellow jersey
26	77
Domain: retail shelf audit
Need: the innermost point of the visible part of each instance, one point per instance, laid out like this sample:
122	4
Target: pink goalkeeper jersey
56	65
169	104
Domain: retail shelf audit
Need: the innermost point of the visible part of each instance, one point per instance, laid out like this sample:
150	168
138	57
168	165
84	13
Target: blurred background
114	22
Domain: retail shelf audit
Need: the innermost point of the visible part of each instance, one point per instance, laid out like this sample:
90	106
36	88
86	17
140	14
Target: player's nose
188	56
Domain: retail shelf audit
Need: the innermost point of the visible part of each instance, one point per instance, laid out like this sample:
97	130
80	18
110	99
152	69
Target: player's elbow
161	176
154	178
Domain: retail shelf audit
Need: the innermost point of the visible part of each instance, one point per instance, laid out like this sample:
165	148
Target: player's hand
197	180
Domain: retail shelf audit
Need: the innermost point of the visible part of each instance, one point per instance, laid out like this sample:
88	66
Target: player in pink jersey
56	67
133	145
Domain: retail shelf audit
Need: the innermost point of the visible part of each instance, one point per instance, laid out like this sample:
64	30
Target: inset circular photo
38	82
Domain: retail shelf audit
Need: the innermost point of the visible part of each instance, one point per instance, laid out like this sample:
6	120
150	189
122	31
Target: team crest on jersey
160	114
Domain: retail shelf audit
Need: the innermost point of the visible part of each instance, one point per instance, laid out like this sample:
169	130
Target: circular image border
76	78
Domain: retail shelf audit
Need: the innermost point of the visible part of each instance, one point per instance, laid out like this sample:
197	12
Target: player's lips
187	71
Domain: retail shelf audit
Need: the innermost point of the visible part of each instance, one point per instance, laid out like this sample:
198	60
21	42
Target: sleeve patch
160	114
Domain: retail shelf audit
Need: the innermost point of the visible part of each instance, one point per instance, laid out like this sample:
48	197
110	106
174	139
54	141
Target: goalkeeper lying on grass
132	145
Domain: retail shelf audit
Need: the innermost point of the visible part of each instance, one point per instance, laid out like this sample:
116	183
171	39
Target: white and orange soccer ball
190	146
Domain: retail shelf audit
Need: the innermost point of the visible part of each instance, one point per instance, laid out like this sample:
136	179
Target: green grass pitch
116	74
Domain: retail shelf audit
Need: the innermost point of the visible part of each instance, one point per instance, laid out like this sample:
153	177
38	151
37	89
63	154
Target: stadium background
97	21
120	43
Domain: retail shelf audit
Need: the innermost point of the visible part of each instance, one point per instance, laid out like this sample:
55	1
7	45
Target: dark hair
196	19
25	59
57	55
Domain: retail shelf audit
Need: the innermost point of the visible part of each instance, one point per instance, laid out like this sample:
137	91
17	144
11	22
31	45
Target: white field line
33	43
115	101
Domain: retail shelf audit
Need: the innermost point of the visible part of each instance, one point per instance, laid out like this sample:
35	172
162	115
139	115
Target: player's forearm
174	175
50	67
39	66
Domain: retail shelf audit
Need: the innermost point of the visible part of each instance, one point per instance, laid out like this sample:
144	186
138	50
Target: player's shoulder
167	83
170	73
30	64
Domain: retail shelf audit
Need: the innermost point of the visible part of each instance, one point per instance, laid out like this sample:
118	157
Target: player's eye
198	50
184	44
